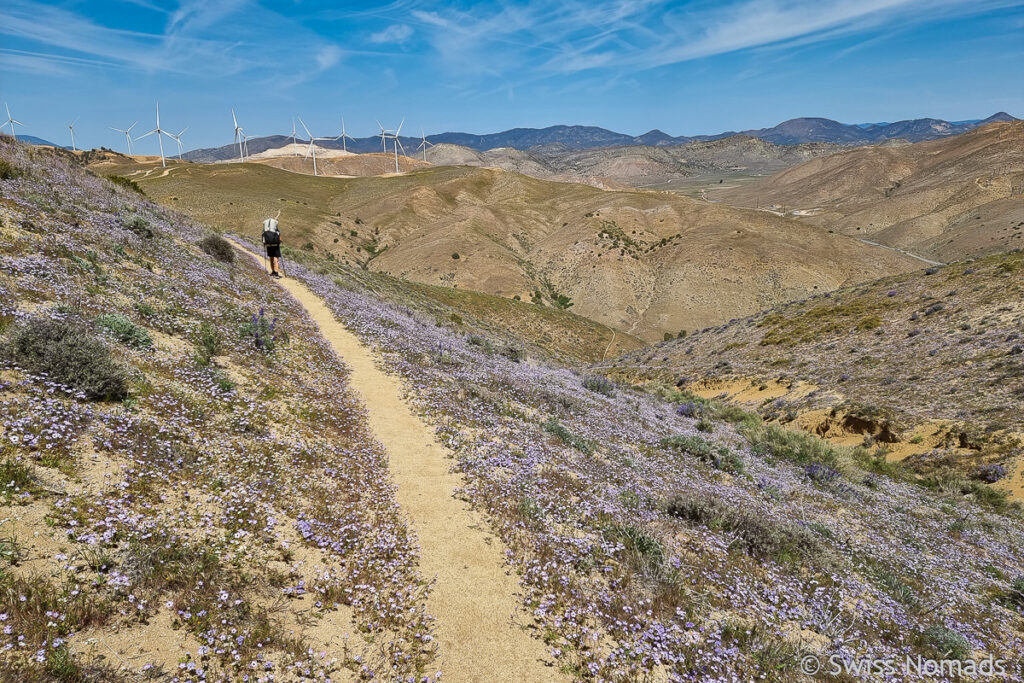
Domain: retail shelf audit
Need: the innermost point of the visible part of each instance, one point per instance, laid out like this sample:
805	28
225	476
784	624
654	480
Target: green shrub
756	533
600	385
799	447
456	256
1016	593
15	477
208	343
643	551
125	331
67	352
9	171
720	457
308	246
138	225
945	642
218	247
553	426
126	183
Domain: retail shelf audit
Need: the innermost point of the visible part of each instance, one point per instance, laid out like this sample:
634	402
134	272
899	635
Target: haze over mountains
793	131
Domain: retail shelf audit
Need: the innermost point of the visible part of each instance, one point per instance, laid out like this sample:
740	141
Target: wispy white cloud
568	36
213	38
396	33
328	56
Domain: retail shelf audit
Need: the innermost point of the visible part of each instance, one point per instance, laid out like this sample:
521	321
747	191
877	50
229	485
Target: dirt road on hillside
474	596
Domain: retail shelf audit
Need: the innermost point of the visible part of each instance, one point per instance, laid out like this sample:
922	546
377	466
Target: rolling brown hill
929	365
946	199
644	263
633	165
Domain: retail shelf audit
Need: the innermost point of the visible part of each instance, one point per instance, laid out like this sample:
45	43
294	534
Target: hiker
272	242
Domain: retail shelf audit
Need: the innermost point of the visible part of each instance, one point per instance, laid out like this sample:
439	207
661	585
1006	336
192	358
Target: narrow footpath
474	596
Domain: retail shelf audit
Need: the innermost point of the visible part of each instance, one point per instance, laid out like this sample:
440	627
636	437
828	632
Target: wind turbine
127	134
245	143
423	145
71	127
398	143
177	138
11	121
239	138
293	133
159	136
312	144
344	135
384	136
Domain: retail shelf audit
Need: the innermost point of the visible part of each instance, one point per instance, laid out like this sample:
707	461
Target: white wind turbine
423	145
384	136
294	133
344	135
177	139
239	138
159	136
245	143
312	144
11	121
398	143
127	134
71	127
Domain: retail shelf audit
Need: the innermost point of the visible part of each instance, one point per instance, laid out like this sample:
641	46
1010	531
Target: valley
641	262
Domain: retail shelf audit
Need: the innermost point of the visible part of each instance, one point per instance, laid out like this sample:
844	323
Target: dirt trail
473	597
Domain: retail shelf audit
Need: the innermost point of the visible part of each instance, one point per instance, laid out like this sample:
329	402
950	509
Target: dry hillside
946	199
643	263
634	165
929	364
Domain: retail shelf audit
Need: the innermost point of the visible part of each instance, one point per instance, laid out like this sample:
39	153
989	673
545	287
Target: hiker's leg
274	264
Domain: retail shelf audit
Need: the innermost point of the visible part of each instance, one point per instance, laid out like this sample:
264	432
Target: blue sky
683	67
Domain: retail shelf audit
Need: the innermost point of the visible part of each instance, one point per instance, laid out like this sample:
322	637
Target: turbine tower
127	134
160	133
423	145
71	127
239	138
11	121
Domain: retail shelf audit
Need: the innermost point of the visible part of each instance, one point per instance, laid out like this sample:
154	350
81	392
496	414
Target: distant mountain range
791	132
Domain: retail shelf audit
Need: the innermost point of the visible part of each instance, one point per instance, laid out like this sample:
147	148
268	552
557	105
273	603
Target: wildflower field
207	503
216	510
663	536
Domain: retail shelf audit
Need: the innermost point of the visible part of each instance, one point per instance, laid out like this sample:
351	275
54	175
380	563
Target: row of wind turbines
241	139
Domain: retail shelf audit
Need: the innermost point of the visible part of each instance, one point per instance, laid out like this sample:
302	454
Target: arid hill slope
931	363
634	165
947	199
641	262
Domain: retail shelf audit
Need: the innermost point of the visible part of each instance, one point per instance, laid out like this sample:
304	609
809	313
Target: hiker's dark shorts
274	251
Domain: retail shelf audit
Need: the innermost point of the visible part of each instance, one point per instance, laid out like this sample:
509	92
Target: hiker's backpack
271	238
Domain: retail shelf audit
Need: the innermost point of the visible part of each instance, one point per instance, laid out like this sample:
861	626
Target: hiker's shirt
270	225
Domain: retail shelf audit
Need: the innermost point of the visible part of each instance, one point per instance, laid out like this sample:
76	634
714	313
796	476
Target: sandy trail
474	596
